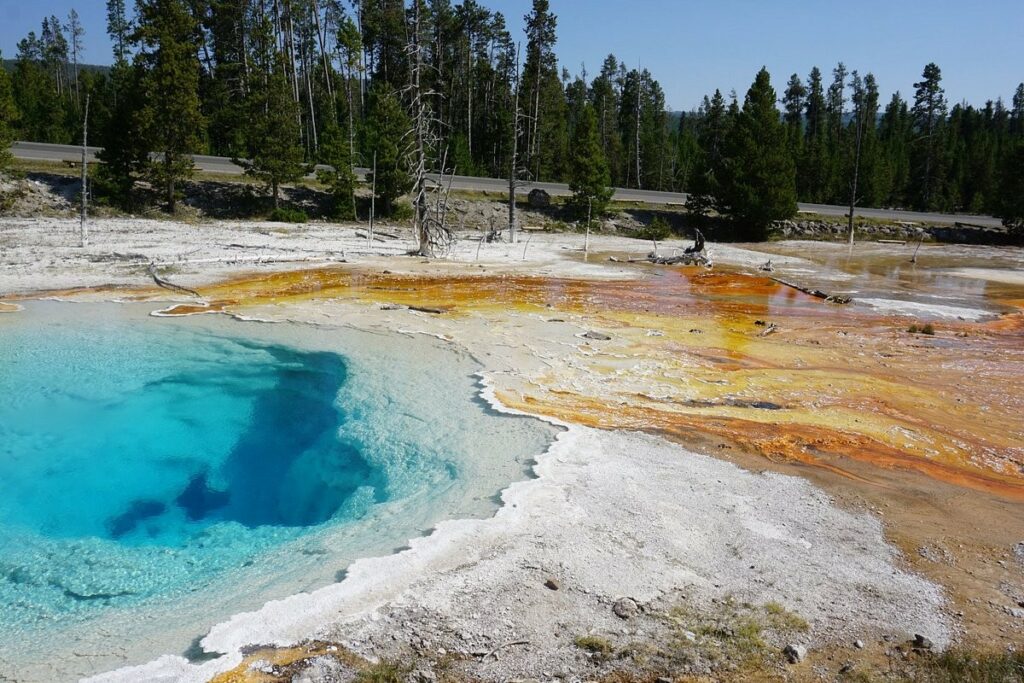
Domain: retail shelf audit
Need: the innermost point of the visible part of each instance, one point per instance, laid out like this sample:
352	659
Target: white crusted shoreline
612	514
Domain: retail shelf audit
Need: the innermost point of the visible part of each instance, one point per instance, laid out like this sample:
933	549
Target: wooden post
373	201
83	229
586	240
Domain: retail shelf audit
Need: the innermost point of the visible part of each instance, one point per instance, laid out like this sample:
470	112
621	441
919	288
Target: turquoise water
190	469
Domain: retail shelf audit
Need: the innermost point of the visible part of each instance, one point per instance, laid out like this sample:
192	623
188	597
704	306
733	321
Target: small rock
846	668
625	608
921	642
424	676
598	336
553	584
662	679
690	636
1015	612
795	653
859	644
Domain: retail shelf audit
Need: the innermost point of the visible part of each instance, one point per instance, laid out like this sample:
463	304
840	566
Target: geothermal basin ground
732	466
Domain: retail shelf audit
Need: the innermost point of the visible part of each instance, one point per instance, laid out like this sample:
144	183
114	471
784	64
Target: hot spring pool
159	475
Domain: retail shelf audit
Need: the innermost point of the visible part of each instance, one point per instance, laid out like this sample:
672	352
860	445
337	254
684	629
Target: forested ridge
284	83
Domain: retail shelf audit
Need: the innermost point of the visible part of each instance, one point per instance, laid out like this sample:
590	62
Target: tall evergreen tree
125	152
1009	204
759	177
273	140
387	125
929	113
793	103
8	117
589	178
543	96
118	28
336	153
813	164
169	115
706	184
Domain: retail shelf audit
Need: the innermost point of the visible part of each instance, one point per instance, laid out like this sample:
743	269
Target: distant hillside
93	68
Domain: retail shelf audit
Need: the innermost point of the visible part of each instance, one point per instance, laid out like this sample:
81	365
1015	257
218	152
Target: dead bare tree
858	100
513	170
434	237
639	87
83	228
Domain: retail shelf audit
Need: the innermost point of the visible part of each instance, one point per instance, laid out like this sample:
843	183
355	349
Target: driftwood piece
831	298
494	652
376	236
421	309
681	259
170	285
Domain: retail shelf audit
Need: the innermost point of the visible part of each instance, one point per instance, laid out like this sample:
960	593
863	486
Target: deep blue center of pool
149	439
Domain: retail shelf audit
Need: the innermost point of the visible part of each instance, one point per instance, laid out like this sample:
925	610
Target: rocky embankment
959	233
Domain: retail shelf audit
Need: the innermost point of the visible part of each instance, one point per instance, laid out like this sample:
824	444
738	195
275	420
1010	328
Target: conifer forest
281	84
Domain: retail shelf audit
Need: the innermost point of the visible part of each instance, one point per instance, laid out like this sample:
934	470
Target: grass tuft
595	644
381	672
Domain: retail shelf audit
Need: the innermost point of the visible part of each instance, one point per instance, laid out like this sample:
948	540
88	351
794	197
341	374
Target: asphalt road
46	152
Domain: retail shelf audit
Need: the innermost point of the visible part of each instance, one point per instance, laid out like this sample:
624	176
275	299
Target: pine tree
793	103
1017	117
715	124
118	28
1009	204
543	97
8	117
169	115
837	145
125	152
274	141
929	114
340	180
812	179
386	127
872	179
759	178
589	178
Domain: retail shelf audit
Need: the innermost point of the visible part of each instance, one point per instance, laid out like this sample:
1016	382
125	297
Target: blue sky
694	46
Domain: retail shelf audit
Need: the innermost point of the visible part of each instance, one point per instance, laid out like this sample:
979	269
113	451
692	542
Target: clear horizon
694	48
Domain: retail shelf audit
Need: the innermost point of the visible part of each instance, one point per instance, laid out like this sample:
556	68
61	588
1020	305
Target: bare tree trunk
469	94
856	167
323	52
83	229
636	142
514	162
373	199
419	191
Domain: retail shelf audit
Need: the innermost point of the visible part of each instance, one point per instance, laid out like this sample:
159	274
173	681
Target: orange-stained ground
743	357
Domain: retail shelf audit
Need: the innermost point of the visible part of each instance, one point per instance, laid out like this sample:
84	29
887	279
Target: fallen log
170	285
376	236
831	298
680	260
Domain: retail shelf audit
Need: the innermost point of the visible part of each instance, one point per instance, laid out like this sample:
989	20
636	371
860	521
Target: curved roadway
45	152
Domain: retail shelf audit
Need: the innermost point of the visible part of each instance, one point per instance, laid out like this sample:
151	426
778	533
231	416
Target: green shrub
658	229
285	215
